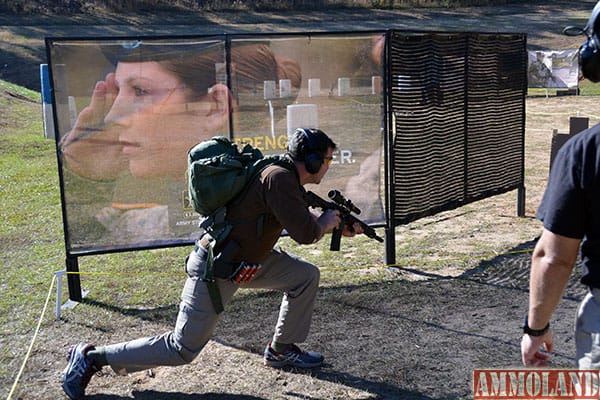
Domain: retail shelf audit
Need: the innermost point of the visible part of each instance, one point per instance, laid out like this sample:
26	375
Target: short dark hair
308	140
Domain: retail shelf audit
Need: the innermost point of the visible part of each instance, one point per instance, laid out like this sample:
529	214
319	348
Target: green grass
30	233
586	88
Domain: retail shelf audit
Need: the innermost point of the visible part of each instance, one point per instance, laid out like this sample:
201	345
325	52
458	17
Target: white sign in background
553	69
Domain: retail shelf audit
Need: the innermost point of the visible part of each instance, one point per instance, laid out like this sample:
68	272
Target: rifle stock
340	204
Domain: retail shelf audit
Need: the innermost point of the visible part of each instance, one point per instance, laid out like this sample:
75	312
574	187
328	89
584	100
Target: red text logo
549	384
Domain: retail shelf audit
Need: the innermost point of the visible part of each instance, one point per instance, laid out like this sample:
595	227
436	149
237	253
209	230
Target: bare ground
416	332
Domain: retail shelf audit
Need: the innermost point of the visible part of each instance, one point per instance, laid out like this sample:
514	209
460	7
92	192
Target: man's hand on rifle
329	220
337	218
352	230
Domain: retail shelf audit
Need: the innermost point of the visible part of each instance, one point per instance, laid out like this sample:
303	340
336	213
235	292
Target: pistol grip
336	237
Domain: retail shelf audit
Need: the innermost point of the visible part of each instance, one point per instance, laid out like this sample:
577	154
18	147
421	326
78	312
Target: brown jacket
277	196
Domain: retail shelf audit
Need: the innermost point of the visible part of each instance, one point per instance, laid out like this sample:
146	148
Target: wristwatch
534	332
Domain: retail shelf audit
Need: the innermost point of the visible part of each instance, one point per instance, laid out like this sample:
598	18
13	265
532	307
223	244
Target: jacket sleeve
283	195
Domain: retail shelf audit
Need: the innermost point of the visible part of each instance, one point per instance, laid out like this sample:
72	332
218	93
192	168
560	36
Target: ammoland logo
550	384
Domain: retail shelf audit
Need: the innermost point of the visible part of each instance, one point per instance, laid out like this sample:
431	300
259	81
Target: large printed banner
553	69
128	110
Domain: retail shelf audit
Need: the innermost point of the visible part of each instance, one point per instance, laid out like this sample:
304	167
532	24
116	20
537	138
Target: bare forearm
551	266
547	284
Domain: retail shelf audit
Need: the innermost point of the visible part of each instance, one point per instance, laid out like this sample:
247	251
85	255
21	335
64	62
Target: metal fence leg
390	246
73	280
521	201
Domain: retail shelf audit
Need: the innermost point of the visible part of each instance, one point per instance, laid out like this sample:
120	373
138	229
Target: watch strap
534	332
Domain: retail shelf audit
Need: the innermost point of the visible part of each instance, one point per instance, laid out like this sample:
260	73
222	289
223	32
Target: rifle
346	208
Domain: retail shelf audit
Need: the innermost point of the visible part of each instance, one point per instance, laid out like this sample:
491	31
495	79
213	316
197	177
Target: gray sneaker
78	372
293	357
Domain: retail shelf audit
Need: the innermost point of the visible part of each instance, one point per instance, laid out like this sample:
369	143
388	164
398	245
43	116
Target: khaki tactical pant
196	321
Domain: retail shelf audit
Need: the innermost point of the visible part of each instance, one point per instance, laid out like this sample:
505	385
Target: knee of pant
187	355
188	339
314	274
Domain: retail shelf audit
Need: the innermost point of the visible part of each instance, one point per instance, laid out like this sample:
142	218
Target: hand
90	149
352	230
329	220
530	349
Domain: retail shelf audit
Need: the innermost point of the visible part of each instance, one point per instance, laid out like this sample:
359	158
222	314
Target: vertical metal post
59	281
521	201
466	175
521	189
232	90
390	231
390	245
73	280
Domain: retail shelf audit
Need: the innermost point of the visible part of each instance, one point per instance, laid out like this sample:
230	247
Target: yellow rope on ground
35	334
121	273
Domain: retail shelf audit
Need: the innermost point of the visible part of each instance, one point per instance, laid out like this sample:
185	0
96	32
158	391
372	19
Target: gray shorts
587	331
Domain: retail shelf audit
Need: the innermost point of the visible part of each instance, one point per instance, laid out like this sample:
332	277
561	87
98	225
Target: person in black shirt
570	212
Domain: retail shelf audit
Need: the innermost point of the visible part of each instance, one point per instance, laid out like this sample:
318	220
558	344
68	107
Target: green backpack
218	174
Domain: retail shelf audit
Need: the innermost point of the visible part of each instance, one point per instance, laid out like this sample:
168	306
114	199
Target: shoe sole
67	391
71	396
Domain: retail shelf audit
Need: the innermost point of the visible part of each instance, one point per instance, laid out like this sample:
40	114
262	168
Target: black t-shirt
571	203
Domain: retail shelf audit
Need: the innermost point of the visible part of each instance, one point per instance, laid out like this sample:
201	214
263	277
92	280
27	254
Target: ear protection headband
313	159
589	52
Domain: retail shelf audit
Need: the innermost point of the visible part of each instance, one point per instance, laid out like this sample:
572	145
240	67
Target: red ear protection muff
312	158
589	52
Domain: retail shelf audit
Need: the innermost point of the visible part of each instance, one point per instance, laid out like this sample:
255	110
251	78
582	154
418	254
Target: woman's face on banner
157	119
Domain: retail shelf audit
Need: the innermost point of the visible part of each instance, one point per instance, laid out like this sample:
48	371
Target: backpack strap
260	166
209	279
282	161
